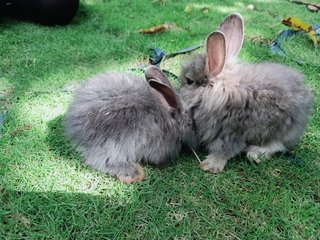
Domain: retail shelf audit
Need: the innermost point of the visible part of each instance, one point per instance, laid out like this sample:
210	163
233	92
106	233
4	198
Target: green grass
47	193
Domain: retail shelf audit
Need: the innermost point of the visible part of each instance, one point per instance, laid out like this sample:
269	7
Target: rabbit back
255	104
281	103
114	119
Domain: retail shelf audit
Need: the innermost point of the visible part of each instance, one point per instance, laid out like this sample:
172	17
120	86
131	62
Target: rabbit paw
257	154
131	179
213	164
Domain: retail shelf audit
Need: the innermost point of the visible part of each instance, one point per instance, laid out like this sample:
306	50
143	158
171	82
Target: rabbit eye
189	81
174	114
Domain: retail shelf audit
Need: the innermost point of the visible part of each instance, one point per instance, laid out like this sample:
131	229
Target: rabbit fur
257	108
118	119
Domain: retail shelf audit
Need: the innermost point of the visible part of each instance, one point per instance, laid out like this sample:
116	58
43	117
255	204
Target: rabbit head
229	39
222	49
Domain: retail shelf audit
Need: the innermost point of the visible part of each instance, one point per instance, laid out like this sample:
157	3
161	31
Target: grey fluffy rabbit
118	119
257	108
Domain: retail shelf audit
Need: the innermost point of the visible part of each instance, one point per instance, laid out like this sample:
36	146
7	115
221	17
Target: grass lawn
47	193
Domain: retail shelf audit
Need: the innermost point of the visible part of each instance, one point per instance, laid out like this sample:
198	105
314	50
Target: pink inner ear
232	27
216	53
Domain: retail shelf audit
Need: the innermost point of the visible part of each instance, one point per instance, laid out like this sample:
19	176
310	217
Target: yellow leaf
188	9
312	35
298	24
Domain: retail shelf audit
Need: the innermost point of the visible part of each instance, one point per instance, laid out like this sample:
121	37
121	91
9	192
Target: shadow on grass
60	145
52	215
179	202
57	140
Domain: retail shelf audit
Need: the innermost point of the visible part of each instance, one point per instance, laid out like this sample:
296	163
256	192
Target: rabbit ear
232	27
153	72
165	94
216	53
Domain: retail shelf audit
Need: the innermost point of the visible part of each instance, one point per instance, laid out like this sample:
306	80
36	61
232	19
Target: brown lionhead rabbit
258	108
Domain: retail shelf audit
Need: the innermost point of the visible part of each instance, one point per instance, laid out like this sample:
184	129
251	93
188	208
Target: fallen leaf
313	37
154	29
287	33
316	28
275	48
298	24
205	10
188	9
276	172
177	216
260	40
312	8
155	56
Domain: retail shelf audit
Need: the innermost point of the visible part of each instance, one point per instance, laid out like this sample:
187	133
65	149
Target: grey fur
258	108
118	119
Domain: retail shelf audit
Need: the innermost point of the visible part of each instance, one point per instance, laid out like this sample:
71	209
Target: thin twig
304	3
194	152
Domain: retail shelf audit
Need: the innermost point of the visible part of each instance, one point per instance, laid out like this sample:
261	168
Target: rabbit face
193	73
202	74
